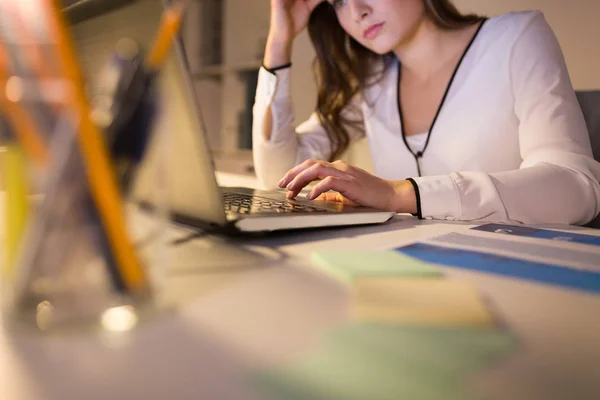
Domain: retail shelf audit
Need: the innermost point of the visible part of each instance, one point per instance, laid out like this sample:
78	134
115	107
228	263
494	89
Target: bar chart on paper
545	256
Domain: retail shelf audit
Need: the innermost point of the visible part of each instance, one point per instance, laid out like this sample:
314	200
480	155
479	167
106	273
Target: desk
237	312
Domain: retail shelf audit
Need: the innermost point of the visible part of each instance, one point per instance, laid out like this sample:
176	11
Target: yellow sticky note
419	301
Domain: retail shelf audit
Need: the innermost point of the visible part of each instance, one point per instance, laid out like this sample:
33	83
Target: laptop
188	177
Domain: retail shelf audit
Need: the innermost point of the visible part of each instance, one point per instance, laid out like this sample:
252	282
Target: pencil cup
82	254
82	263
69	273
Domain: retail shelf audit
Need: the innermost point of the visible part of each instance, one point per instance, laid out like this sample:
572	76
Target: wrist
280	39
277	52
405	198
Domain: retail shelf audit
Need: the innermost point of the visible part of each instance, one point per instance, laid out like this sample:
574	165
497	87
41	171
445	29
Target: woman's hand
288	19
353	186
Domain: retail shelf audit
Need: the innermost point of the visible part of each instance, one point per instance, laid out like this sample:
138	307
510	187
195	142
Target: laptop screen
178	161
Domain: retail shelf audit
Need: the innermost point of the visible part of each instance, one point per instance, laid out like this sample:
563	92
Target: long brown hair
343	67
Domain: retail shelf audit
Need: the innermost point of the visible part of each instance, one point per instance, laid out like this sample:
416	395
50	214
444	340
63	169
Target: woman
466	118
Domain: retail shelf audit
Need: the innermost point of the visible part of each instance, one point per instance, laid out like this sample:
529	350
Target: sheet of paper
566	260
379	362
558	252
531	232
350	265
419	301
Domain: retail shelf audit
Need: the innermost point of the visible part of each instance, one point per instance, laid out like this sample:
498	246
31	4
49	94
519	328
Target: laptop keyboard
245	204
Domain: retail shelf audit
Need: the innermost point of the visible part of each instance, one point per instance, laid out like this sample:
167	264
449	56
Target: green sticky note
388	362
352	376
349	265
455	350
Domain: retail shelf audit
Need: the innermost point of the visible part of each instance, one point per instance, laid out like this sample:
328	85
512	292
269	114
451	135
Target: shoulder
515	25
519	34
516	19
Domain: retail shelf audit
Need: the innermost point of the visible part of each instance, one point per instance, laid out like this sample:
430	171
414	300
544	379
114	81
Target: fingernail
310	196
280	184
289	186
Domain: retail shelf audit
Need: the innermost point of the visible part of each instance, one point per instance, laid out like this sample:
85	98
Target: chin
380	48
381	45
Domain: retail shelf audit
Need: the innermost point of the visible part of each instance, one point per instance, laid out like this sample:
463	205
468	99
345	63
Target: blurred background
225	39
225	42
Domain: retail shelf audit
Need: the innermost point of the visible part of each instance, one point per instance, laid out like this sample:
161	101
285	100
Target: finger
335	197
339	184
291	174
316	172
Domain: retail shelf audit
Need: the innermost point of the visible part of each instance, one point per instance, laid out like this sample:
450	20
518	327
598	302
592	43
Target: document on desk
546	256
525	231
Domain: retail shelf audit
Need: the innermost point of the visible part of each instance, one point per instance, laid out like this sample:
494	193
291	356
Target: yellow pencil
99	170
169	27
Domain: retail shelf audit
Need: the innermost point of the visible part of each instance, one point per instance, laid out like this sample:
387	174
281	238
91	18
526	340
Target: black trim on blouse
419	154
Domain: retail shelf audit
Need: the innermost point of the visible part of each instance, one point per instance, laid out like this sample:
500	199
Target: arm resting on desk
558	180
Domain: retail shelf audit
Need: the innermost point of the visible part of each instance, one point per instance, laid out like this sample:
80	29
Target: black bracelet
418	195
274	69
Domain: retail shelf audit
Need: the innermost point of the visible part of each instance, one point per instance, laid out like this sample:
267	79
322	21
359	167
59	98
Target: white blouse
510	143
416	142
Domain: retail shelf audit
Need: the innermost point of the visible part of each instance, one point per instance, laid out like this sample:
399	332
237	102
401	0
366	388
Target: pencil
99	170
23	126
31	44
169	27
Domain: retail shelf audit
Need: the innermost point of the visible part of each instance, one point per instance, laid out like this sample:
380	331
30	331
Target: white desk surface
245	304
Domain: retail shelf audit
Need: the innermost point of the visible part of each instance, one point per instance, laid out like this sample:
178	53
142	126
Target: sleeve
288	145
558	180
